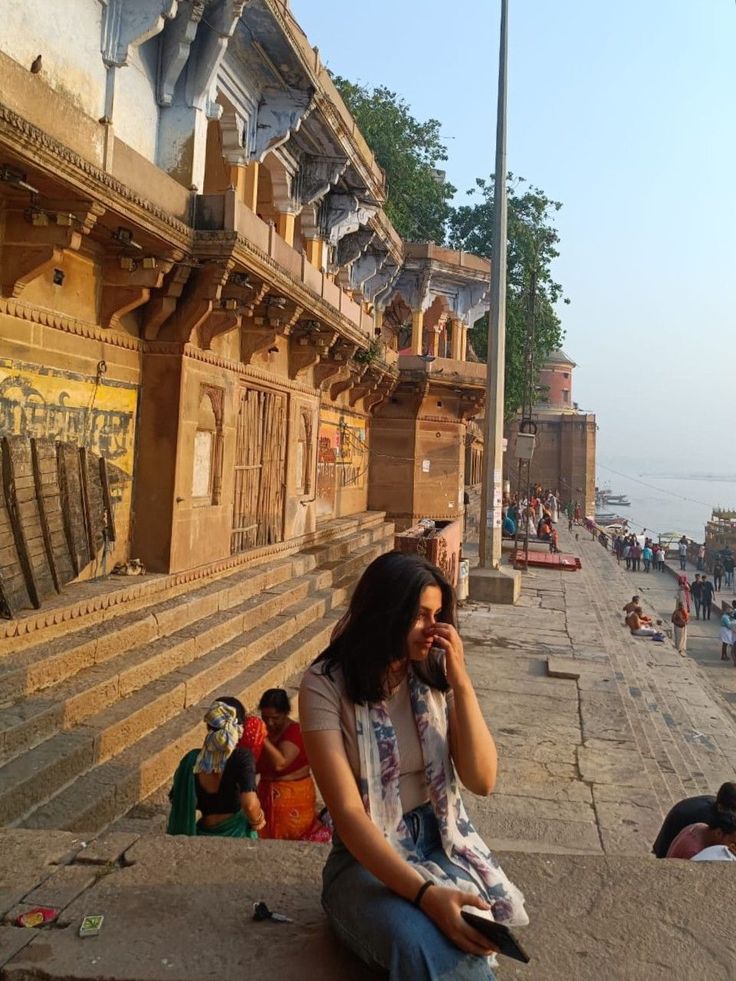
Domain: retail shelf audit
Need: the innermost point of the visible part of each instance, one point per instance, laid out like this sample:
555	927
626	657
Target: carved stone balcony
225	212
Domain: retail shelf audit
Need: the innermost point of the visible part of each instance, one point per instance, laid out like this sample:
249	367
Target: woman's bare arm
368	846
252	809
281	756
471	744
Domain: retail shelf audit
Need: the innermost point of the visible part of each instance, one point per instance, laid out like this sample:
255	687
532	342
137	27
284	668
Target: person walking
627	555
683	593
707	597
728	566
679	622
682	552
727	625
701	558
646	557
635	555
696	591
717	574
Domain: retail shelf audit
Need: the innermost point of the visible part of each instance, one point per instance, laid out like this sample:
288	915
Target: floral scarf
380	767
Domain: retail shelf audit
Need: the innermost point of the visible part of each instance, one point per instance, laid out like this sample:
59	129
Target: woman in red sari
286	789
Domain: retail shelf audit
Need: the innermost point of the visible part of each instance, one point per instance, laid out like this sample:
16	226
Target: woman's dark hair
373	632
236	704
726	797
722	820
275	698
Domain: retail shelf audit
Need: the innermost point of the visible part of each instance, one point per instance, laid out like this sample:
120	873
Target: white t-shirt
715	853
324	705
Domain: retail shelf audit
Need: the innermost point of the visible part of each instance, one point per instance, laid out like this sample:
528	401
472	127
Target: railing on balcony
225	212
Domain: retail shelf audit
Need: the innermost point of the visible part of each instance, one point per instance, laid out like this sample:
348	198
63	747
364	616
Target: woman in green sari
218	780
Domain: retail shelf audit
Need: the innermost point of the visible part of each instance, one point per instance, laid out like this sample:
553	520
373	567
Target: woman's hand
443	906
445	636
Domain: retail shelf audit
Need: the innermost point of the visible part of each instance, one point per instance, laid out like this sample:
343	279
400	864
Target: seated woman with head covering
218	780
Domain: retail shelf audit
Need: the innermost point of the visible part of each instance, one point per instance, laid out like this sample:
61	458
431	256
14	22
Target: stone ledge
182	911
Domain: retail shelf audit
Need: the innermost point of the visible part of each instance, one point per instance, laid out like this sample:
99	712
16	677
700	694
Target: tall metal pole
492	486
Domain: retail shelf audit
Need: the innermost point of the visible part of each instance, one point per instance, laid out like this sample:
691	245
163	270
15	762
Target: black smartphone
499	935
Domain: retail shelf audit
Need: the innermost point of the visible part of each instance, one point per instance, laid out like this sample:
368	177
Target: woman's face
421	635
275	721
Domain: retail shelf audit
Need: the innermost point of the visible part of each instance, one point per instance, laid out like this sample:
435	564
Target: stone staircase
95	719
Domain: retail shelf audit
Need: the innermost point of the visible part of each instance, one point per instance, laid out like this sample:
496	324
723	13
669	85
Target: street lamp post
492	477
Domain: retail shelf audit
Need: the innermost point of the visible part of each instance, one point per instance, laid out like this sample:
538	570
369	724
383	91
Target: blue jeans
385	931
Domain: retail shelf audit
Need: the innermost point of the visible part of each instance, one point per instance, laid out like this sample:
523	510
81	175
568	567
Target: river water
663	503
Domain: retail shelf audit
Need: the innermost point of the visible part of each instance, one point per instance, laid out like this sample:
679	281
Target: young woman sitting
390	722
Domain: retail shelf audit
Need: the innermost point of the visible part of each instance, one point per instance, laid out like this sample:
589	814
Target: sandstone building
564	456
212	340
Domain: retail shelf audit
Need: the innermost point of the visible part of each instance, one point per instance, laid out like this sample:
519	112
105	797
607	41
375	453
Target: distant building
564	457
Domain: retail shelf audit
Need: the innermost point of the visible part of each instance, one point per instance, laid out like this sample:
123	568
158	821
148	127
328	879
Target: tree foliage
532	247
411	153
420	207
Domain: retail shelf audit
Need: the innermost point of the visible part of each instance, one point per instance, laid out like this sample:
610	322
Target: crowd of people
638	557
536	515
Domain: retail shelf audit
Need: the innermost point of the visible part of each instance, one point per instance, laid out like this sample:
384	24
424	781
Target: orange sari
289	807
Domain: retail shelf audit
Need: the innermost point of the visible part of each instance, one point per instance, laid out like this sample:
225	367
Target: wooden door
258	506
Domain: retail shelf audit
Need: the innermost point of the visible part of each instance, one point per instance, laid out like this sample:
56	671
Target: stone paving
593	756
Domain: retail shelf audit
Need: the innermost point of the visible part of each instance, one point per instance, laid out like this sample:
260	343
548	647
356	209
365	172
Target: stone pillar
285	226
456	339
250	185
463	342
434	341
417	331
314	247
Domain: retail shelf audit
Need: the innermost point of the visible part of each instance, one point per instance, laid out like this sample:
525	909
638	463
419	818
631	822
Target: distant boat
620	500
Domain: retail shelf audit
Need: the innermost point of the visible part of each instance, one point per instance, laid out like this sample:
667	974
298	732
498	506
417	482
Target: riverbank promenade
598	734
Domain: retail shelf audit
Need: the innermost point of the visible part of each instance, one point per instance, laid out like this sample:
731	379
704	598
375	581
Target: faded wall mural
342	460
95	413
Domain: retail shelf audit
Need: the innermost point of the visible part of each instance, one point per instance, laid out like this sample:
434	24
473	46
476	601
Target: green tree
411	153
532	247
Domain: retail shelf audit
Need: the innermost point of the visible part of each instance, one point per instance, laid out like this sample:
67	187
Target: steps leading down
96	719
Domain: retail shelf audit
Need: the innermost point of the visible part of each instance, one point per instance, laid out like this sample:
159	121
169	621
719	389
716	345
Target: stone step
156	684
115	704
46	664
101	601
105	792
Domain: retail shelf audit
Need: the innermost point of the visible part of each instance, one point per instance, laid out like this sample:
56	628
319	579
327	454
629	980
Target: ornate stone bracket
232	130
35	241
163	305
352	246
307	348
377	288
200	299
209	46
273	318
318	174
343	214
176	43
343	380
127	23
280	114
127	285
334	364
226	318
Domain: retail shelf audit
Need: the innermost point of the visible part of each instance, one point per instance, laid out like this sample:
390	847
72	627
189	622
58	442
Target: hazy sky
626	113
